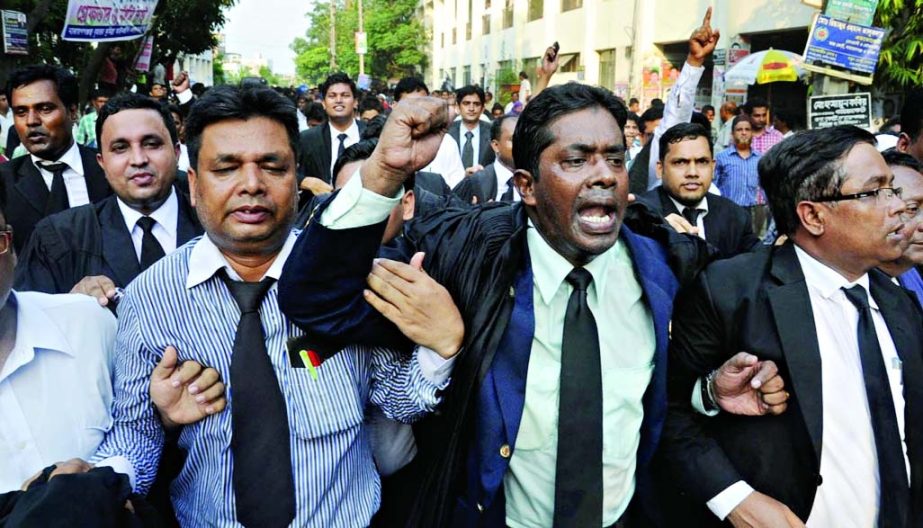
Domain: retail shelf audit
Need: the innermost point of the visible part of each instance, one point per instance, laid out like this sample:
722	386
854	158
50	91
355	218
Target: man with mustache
848	342
95	248
292	448
908	175
58	173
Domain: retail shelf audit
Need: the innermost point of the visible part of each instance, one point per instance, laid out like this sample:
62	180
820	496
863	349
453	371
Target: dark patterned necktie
151	250
578	486
57	196
468	150
264	487
892	470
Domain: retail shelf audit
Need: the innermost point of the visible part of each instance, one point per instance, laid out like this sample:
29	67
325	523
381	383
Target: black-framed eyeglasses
885	192
6	239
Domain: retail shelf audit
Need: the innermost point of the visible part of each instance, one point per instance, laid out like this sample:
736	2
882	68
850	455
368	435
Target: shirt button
505	451
480	508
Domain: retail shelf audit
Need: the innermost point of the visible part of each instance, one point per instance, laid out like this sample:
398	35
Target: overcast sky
267	27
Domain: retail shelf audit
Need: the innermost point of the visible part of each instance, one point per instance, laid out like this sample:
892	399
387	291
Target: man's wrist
709	398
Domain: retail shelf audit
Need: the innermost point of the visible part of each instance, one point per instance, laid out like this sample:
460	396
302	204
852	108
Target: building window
442	38
454	35
607	68
571	64
568	5
508	14
536	8
466	75
485	24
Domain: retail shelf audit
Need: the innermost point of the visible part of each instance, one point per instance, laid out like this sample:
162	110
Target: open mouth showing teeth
597	216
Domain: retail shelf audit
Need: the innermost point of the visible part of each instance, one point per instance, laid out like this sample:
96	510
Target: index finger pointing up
706	22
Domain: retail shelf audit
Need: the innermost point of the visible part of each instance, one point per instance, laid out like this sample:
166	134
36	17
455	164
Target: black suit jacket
486	154
26	192
89	240
727	225
481	185
314	158
759	302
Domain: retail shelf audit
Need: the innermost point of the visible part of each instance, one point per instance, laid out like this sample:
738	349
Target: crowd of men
375	312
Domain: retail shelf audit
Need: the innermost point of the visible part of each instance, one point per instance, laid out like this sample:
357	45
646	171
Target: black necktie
342	138
508	193
691	214
263	484
57	197
151	250
892	470
468	151
578	487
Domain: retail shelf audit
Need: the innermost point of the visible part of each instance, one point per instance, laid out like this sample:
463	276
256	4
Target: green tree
900	64
396	39
180	26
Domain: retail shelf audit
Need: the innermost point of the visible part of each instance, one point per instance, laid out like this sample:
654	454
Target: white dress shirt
165	217
74	181
700	220
352	137
55	389
475	141
850	495
503	181
448	162
6	122
678	108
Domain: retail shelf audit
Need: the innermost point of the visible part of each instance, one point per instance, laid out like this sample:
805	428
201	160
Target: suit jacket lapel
455	132
899	314
324	155
485	150
794	321
187	223
31	185
97	185
666	204
117	247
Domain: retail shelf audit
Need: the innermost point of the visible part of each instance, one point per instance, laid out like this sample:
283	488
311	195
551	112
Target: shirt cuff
184	97
724	503
697	402
434	367
355	206
119	464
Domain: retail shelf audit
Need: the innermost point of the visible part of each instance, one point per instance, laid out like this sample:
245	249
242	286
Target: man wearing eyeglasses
846	339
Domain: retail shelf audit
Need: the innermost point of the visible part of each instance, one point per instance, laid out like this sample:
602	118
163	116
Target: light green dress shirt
627	344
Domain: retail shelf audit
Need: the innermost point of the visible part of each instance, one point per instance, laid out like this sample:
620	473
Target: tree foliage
900	64
396	39
180	26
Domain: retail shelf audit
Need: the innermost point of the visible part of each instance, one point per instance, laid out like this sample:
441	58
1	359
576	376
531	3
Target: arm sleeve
36	269
700	466
724	503
677	109
405	388
136	434
356	206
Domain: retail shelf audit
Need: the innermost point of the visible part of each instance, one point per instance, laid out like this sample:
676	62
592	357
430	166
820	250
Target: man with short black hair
96	248
737	177
764	136
86	129
846	339
291	449
634	105
686	168
59	173
908	175
320	146
494	183
470	132
369	108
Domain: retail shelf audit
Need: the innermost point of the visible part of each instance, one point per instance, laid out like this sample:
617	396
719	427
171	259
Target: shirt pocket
325	401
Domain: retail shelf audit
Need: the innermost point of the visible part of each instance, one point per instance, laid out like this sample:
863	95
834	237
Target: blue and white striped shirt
179	301
737	178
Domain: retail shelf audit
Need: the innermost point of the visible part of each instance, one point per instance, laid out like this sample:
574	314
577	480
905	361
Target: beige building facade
633	47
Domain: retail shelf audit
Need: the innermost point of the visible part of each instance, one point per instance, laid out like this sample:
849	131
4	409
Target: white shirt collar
701	206
166	215
206	259
352	132
71	158
827	281
34	331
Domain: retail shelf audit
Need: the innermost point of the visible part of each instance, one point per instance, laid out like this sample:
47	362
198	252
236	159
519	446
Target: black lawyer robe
89	240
